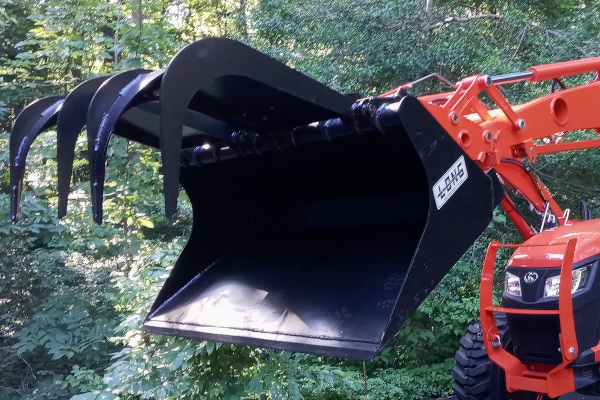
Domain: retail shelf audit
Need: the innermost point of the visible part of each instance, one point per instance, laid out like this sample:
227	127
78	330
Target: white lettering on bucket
450	182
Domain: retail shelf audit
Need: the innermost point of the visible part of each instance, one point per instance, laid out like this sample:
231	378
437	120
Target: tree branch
450	20
523	33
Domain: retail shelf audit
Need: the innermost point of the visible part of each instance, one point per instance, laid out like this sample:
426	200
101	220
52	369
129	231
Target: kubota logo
530	277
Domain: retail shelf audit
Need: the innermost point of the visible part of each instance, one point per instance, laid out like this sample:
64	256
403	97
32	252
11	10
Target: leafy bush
412	383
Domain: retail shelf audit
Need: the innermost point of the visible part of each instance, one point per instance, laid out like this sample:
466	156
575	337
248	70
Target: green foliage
54	313
412	383
572	176
73	295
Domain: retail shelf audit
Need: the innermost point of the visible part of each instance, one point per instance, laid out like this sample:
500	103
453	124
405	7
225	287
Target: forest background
73	294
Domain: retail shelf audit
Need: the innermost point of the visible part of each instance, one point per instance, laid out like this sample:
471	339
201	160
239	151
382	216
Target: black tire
476	377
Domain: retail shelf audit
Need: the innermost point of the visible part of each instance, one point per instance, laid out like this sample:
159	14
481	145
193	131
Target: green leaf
146	223
135	63
210	346
178	361
160	394
255	385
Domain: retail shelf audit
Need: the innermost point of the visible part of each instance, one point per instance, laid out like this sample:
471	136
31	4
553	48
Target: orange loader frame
500	138
555	381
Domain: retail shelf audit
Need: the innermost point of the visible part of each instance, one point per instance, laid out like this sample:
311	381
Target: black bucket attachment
320	238
128	105
29	124
70	123
321	222
109	102
327	247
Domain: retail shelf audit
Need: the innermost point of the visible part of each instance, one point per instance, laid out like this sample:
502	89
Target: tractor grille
535	338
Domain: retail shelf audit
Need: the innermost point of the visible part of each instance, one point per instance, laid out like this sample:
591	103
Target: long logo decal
450	182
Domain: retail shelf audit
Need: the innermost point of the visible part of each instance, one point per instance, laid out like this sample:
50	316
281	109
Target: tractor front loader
322	220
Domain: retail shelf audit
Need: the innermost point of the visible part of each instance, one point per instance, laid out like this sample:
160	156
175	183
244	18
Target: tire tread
471	373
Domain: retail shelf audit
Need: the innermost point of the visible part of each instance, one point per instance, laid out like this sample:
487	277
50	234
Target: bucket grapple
72	119
33	120
320	221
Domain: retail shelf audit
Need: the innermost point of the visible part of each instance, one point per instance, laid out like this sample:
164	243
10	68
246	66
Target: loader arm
500	138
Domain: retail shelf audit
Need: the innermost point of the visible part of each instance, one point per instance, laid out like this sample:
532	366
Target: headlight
512	284
551	288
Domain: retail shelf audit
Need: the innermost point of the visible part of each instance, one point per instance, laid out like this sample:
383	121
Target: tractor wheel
476	377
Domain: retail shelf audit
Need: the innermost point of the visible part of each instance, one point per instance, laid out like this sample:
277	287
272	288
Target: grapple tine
111	100
230	81
33	120
71	120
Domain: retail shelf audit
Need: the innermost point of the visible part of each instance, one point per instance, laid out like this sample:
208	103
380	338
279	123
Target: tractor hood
587	234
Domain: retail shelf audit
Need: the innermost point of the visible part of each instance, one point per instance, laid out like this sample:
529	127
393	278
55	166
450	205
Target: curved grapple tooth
230	81
71	120
112	99
33	120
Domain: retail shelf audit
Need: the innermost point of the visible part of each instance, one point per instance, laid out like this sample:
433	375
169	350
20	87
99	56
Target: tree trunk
243	19
136	14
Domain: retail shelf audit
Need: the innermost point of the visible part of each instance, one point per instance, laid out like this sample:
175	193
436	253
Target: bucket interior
304	250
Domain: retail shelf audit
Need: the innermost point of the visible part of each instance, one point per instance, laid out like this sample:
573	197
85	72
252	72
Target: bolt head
521	123
454	118
572	350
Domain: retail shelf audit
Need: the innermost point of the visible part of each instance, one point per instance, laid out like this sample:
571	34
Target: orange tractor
322	220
